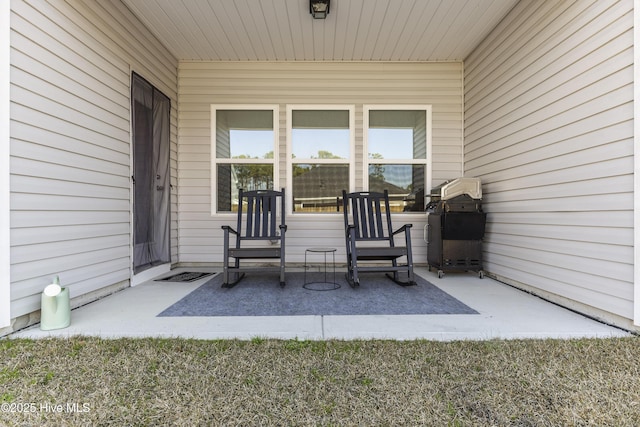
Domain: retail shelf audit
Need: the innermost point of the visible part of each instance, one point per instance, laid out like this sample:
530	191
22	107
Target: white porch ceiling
355	30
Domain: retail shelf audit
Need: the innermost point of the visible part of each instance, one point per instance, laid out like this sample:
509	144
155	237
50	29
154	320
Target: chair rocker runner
258	212
370	238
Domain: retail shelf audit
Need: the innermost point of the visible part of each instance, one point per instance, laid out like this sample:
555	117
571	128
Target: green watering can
55	310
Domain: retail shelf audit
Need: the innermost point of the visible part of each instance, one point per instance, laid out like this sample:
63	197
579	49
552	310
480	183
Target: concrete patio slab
505	313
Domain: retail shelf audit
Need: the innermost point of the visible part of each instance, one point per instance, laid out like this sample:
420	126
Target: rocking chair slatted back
366	211
261	215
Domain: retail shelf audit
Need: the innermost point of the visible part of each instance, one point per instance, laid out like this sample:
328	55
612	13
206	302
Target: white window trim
275	108
352	151
365	143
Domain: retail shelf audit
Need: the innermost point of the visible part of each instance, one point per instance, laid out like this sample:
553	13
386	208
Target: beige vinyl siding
5	244
70	160
202	84
549	129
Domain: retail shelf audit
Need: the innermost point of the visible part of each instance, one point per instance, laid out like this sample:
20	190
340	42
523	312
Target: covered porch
534	98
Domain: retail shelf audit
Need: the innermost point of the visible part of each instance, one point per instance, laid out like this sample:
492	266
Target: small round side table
325	285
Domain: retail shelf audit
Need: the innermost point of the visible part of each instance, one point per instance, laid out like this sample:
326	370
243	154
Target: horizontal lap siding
70	143
549	129
204	83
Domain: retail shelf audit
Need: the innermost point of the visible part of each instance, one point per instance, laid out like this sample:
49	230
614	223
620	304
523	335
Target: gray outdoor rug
261	295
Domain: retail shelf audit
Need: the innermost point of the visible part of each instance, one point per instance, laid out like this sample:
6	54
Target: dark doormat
260	295
188	276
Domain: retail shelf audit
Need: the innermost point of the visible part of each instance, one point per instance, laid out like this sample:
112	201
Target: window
244	152
397	147
321	144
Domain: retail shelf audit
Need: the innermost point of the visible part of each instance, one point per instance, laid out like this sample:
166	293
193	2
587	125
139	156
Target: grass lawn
181	382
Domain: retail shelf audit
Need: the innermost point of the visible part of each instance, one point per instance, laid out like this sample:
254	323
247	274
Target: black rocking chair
370	238
262	237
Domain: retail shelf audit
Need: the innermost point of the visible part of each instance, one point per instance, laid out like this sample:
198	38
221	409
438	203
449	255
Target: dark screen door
151	180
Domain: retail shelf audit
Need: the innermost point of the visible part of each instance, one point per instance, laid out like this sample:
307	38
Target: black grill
456	226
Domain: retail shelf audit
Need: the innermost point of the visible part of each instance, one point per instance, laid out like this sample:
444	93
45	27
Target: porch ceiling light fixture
319	9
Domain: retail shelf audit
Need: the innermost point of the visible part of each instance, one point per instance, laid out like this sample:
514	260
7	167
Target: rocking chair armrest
402	229
228	229
350	234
